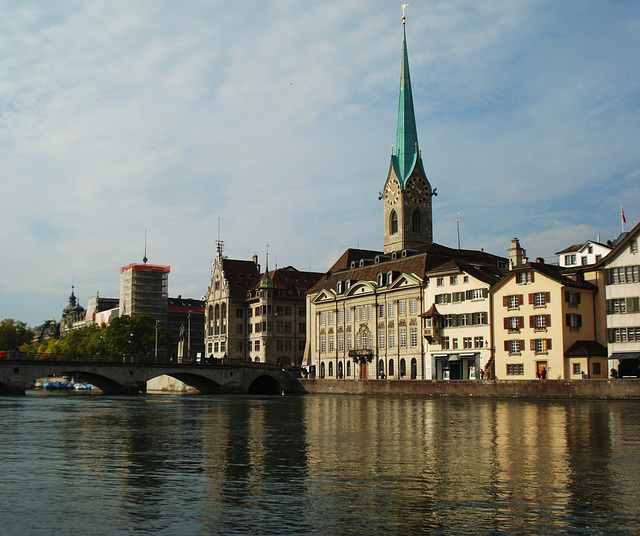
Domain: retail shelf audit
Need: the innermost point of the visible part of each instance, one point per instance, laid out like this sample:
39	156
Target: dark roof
417	261
623	242
586	349
488	274
242	276
575	247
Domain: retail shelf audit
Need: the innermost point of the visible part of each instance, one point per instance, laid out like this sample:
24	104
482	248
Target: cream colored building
543	324
456	323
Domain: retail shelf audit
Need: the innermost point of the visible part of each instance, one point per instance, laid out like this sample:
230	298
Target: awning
468	355
625	355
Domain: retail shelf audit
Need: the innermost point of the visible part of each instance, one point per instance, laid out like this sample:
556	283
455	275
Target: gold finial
404	6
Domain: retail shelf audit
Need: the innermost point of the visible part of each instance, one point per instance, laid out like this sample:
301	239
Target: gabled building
543	323
584	254
254	316
456	322
622	294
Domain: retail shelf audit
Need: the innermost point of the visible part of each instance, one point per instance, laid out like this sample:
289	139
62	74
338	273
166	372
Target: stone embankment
574	389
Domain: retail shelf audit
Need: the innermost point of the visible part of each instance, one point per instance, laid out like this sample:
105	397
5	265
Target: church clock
391	191
417	189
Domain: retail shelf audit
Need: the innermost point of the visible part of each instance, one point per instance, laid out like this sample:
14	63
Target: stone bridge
113	377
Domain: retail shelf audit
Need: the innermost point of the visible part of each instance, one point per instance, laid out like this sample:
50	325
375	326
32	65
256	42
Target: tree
14	334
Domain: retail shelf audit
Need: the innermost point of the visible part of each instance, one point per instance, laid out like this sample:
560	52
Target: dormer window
389	278
380	280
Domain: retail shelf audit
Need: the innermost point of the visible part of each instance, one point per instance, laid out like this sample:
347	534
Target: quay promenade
619	389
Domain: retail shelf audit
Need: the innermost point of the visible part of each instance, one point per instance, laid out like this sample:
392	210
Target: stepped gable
241	276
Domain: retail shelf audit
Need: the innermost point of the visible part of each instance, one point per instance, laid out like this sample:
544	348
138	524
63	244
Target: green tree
14	334
133	335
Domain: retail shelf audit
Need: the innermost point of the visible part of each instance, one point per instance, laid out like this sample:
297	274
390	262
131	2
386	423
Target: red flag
624	220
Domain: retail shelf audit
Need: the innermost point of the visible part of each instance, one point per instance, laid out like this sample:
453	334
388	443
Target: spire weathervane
404	6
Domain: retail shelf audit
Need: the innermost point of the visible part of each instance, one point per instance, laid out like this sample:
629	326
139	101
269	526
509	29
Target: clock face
391	191
417	190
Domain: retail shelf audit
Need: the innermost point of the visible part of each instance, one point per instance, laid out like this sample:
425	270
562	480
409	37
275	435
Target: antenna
458	228
219	243
144	259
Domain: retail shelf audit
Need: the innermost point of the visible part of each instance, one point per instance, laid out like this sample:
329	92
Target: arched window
340	375
349	368
330	369
210	321
217	320
391	371
381	368
403	368
416	222
414	368
223	320
394	222
322	370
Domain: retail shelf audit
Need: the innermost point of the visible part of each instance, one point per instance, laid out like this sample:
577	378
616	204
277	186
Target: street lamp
156	346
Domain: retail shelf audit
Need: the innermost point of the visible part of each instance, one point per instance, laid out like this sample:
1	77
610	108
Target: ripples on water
317	465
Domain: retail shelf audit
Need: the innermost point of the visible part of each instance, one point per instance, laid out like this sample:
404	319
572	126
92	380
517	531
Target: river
323	464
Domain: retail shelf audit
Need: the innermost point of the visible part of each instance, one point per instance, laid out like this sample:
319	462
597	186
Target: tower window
394	222
416	222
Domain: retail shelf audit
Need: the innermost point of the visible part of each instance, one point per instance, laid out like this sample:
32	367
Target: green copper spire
406	152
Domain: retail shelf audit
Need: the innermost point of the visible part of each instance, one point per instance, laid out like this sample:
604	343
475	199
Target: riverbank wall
540	389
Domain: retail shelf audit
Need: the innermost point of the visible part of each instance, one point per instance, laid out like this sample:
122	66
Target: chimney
517	255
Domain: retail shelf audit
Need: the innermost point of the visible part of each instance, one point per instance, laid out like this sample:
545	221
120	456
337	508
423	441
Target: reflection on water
318	464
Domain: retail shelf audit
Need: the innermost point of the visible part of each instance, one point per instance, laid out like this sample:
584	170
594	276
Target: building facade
584	254
254	316
622	292
543	324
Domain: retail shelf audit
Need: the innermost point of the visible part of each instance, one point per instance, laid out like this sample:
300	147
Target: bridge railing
129	358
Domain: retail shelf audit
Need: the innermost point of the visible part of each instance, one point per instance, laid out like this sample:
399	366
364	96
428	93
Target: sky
271	122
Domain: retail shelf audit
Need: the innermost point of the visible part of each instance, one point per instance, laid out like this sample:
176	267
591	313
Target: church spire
406	152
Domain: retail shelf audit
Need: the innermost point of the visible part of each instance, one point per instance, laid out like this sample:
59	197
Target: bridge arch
265	385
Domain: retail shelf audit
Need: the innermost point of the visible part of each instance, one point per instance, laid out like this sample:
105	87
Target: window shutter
521	345
506	346
607	277
520	299
548	344
547	297
568	319
506	322
610	335
609	308
566	296
533	274
547	320
505	300
532	321
579	318
633	305
532	345
531	298
521	322
485	292
578	297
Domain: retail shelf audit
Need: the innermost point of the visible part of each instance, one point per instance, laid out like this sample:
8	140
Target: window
570	260
514	346
341	316
391	371
323	344
633	246
449	321
331	348
624	274
357	311
413	306
443	298
239	328
540	322
464	319
414	337
539	299
340	342
381	339
416	222
576	369
513	301
239	313
478	342
515	369
467	343
574	321
323	318
349	314
523	278
394	223
445	343
596	369
617	306
440	282
391	310
572	298
330	317
453	280
403	337
541	346
370	309
479	319
465	279
392	338
477	293
514	323
349	341
380	311
454	343
257	346
584	261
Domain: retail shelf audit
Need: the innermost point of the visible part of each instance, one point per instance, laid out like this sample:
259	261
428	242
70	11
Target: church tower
407	192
